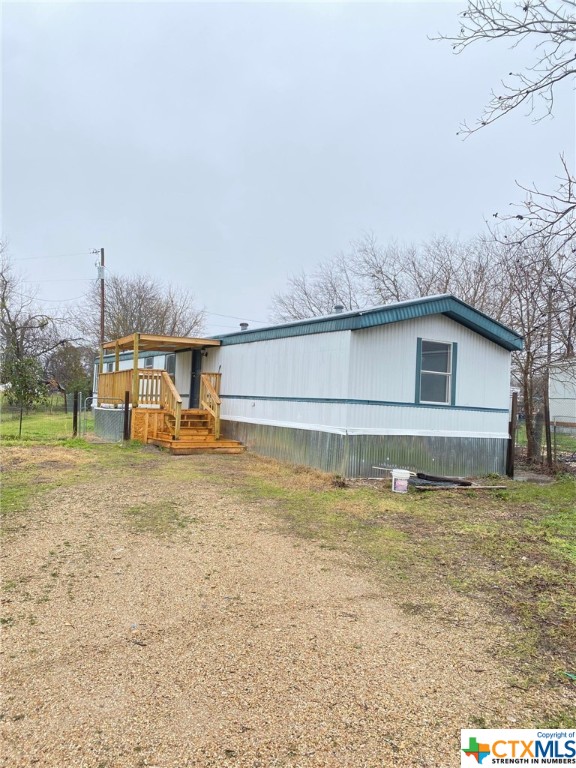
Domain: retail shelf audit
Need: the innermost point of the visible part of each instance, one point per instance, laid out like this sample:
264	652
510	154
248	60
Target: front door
195	382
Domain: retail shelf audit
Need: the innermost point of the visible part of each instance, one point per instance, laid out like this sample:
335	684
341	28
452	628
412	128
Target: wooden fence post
126	415
75	415
512	425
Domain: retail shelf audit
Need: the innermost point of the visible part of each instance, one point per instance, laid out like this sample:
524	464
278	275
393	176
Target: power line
60	280
233	317
57	256
58	301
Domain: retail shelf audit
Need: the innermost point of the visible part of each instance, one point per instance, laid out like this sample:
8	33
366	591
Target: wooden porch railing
149	387
112	386
170	401
210	398
155	388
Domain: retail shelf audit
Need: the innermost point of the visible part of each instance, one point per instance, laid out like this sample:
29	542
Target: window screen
171	366
435	372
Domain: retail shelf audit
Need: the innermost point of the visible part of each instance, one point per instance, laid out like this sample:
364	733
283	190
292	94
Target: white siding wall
326	417
383	363
447	422
383	367
372	364
297	367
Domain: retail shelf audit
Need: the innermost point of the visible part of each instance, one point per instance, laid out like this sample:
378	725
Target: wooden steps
185	448
196	436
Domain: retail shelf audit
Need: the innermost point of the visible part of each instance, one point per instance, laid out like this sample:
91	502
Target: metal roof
444	304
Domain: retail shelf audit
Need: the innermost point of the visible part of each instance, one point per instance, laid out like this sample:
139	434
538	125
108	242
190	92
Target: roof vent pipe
338	309
243	326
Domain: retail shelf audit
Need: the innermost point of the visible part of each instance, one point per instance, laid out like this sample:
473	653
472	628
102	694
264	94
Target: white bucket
400	479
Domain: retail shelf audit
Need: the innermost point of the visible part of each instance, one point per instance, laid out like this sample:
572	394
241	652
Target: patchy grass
350	519
560	720
27	474
15	497
41	426
160	518
512	549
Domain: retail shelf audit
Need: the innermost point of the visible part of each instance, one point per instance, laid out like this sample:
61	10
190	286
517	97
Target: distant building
562	392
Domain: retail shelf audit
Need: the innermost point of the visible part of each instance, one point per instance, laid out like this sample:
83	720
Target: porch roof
152	343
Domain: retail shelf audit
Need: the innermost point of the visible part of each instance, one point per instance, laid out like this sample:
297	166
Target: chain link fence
563	435
109	422
564	441
52	420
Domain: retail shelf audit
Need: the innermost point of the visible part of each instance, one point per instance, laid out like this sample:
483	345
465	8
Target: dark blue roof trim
348	401
446	304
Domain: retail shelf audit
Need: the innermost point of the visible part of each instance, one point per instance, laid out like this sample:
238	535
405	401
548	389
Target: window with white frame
149	362
109	368
436	370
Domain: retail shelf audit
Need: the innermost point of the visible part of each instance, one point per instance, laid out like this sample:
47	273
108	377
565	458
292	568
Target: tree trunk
531	444
21	413
538	432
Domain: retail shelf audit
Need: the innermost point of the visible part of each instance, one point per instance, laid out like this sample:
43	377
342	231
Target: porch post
117	354
135	375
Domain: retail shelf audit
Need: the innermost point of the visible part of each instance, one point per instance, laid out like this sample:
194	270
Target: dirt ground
153	619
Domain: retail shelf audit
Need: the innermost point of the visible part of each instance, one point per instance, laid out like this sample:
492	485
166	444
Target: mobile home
421	384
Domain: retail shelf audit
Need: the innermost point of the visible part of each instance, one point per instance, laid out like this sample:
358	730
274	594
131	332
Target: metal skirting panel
356	455
324	450
109	424
459	456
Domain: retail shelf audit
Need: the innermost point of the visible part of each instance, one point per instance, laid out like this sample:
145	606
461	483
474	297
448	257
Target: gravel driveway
224	642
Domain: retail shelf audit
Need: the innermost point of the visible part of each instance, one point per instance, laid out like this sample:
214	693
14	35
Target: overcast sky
225	146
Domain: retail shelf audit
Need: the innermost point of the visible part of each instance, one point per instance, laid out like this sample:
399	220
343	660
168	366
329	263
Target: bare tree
551	26
25	330
440	265
380	272
545	215
526	310
28	337
137	303
371	274
541	305
332	283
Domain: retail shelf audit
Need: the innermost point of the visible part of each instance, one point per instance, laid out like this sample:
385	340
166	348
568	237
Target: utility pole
101	278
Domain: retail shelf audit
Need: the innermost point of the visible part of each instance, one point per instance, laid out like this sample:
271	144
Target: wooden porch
157	416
